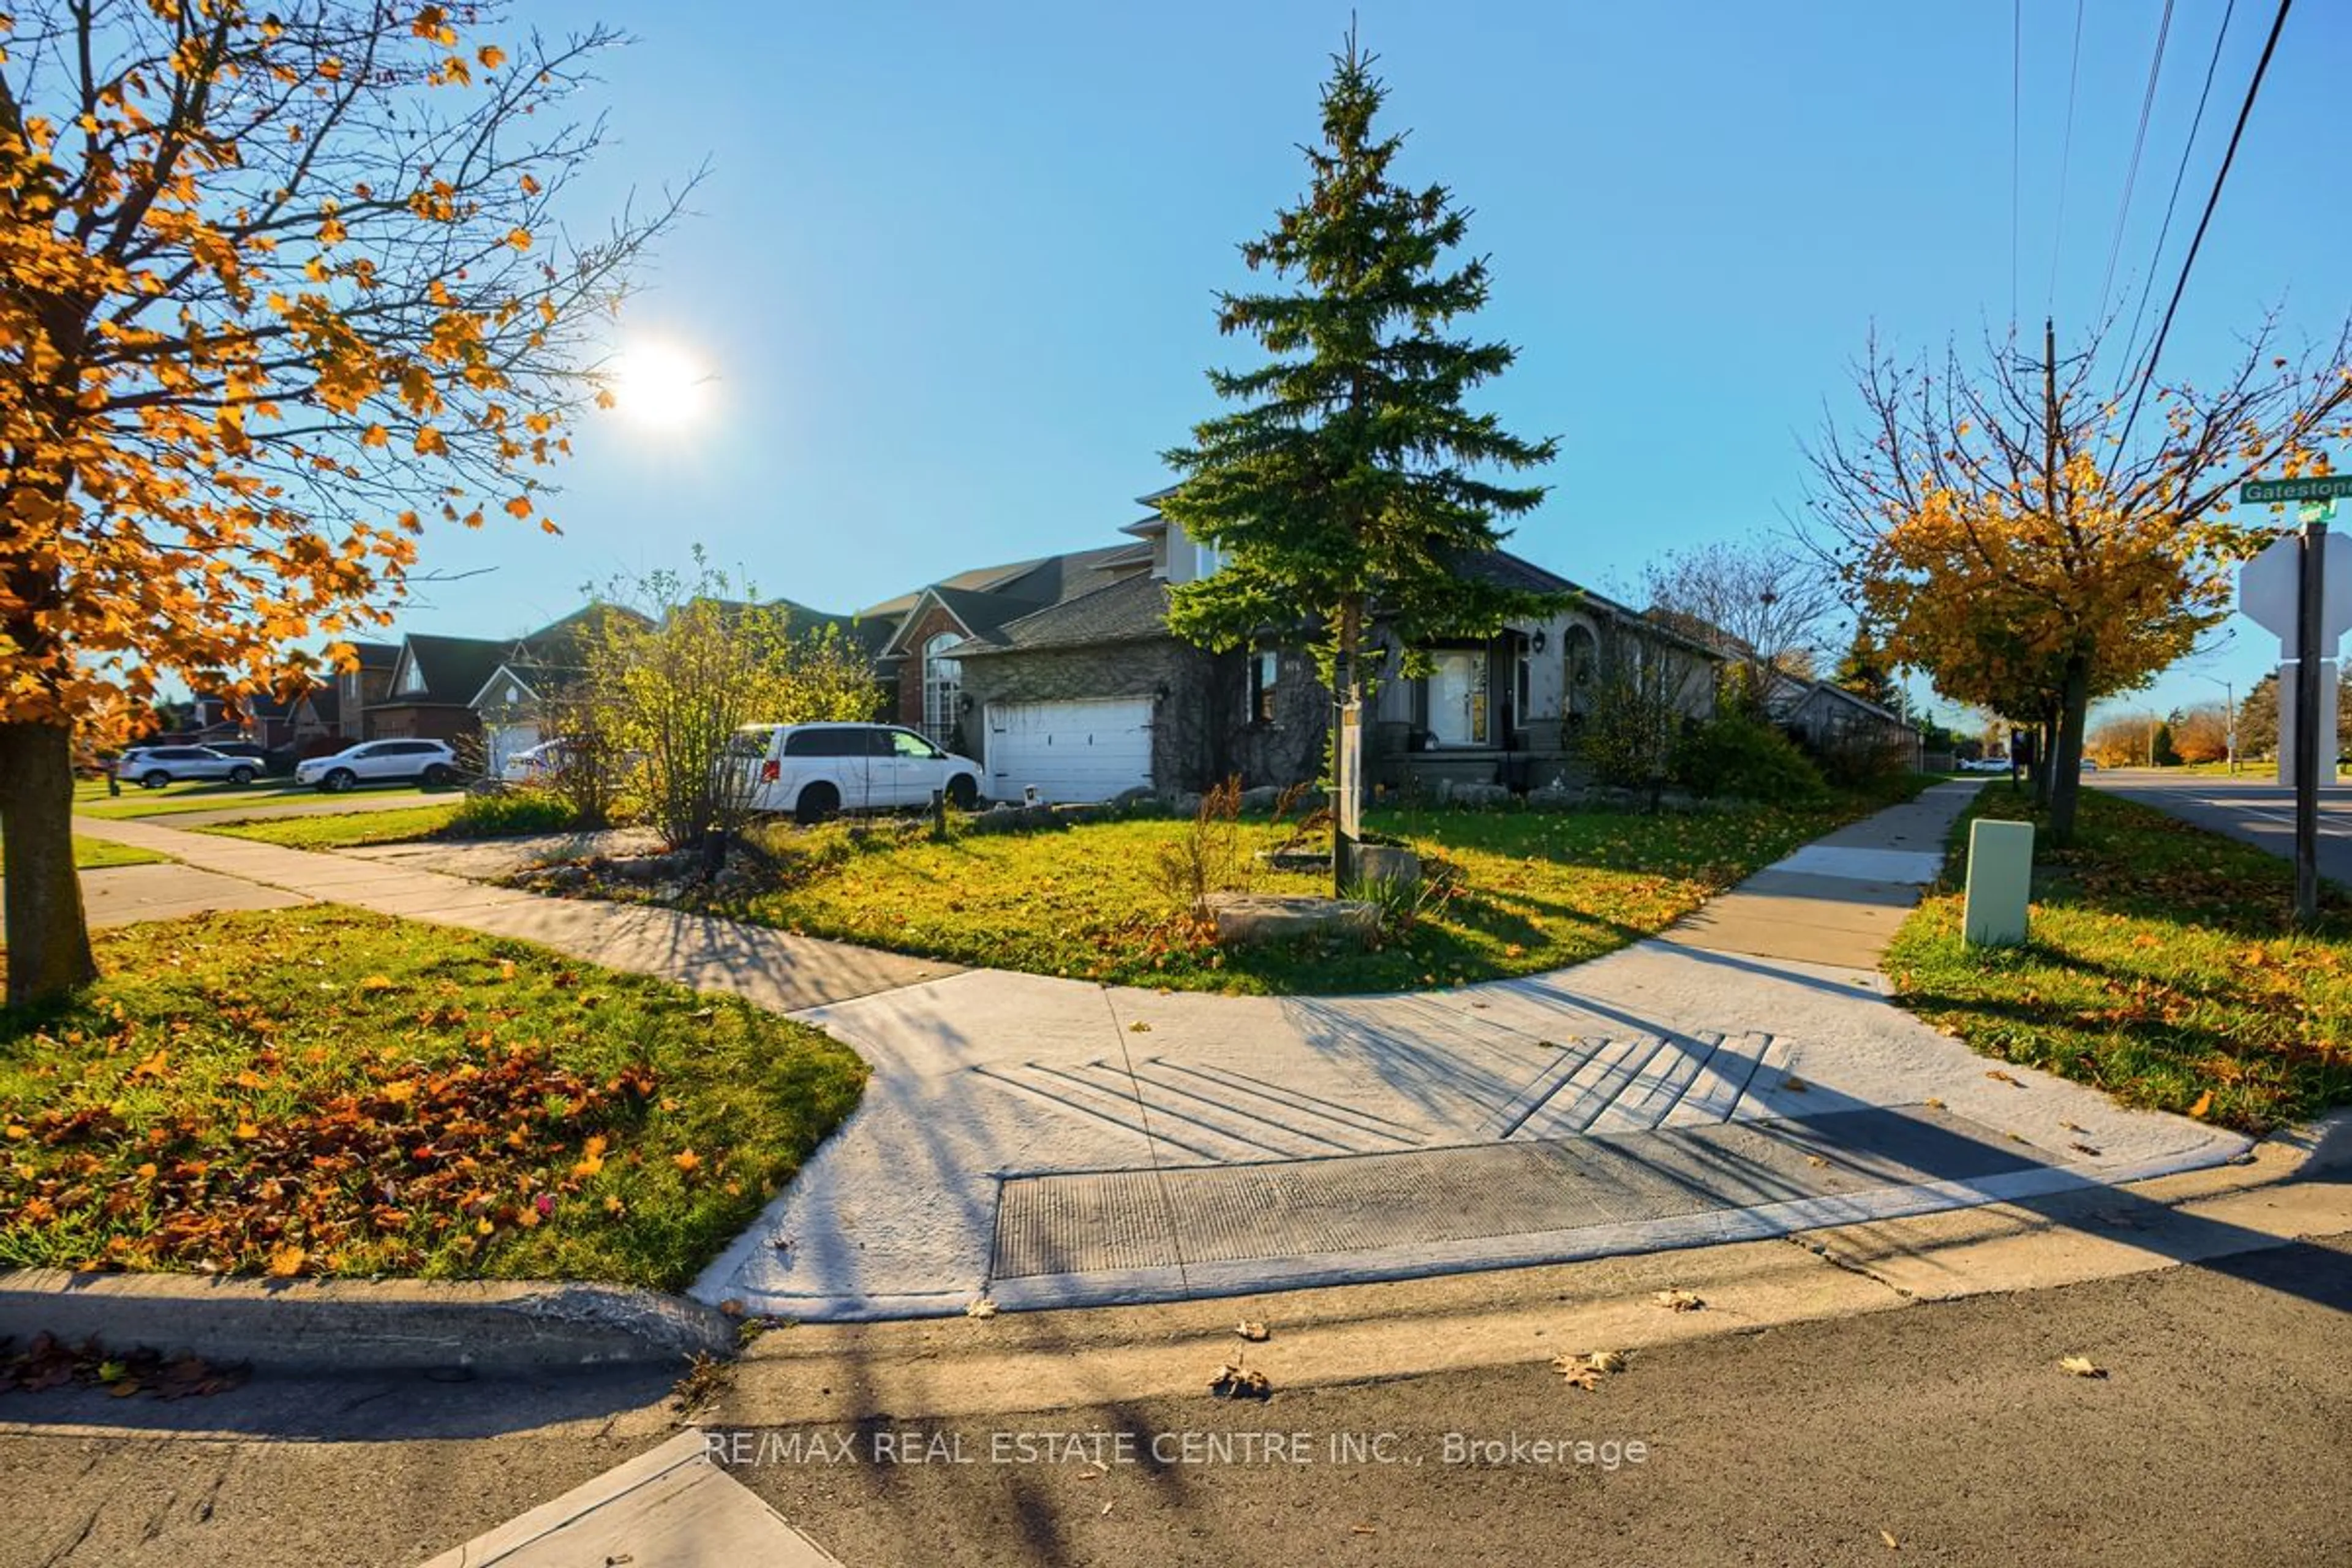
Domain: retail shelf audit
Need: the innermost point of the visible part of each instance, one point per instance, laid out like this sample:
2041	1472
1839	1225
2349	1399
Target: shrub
1209	858
1864	760
1737	755
493	812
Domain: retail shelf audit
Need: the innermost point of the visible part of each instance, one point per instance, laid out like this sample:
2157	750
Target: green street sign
2315	511
2256	491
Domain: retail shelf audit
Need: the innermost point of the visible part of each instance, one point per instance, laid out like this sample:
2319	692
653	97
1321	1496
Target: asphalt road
2222	1434
2259	812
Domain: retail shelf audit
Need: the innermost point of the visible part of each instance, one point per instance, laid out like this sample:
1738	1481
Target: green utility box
2001	882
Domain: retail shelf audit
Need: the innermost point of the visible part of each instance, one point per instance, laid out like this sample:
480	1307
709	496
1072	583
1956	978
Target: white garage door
1079	751
502	743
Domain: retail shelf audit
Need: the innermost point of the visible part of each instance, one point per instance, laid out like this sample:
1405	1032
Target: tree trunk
48	940
2066	765
1347	749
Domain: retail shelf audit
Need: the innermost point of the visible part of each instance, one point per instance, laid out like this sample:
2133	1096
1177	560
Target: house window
1266	672
943	688
1581	653
1457	698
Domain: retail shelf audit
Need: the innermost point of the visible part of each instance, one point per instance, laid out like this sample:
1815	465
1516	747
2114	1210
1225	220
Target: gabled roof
537	679
1789	693
452	670
1041	581
1129	609
376	654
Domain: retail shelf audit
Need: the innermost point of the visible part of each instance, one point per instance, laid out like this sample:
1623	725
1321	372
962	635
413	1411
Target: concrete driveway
2253	811
1048	1142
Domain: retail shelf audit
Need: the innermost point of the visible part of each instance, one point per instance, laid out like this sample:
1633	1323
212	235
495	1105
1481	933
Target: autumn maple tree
278	289
2005	532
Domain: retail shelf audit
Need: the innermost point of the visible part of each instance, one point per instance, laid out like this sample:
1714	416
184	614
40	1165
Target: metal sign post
2320	611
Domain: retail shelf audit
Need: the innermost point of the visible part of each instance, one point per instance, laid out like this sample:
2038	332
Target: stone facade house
1091	694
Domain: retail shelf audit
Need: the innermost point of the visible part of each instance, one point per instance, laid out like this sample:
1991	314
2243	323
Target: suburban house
913	633
434	680
1070	684
515	703
309	718
1830	719
357	690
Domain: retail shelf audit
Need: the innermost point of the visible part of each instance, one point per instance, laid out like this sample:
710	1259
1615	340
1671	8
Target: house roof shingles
1125	610
454	669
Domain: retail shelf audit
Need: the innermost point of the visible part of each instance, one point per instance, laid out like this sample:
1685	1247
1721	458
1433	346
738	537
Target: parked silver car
381	762
153	767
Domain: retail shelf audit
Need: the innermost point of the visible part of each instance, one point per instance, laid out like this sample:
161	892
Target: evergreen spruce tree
1348	485
1864	670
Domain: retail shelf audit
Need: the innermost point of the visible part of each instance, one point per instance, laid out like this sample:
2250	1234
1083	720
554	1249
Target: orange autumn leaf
687	1162
287	1261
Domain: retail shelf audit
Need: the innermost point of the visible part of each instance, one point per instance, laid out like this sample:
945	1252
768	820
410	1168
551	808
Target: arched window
1582	652
943	688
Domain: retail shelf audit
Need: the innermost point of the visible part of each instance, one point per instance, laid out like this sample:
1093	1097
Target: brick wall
907	700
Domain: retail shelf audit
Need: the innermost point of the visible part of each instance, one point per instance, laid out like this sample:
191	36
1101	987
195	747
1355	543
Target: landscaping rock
1555	797
1184	803
1317	861
1247	919
1141	796
1264	798
1387	863
1472	796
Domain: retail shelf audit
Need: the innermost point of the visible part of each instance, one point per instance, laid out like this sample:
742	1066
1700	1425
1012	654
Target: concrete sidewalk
1841	898
772	969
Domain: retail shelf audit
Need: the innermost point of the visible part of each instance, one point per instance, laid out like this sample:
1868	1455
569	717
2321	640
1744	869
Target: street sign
2256	491
2266	592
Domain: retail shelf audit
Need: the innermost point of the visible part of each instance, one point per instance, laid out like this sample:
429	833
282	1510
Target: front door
1457	698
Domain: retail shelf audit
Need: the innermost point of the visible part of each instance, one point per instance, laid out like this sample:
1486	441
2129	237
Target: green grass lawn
1536	892
90	798
2159	968
343	829
92	854
387	1098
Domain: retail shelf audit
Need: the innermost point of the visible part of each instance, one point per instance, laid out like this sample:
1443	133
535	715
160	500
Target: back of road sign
2267	588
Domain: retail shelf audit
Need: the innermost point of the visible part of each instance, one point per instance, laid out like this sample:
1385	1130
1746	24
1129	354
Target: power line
2131	175
2196	123
2065	156
2245	112
2016	143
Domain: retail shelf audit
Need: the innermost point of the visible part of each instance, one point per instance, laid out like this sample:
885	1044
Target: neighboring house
917	631
274	723
357	690
434	682
515	704
1090	694
1830	719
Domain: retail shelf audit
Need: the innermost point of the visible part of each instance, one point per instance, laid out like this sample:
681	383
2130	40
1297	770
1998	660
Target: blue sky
952	268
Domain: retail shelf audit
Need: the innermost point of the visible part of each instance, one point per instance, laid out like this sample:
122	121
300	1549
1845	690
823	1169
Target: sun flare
661	384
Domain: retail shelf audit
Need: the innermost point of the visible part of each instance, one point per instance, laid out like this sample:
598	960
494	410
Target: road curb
352	1326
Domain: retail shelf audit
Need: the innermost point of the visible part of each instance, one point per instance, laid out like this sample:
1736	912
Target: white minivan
811	771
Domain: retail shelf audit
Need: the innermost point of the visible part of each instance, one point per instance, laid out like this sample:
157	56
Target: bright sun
661	384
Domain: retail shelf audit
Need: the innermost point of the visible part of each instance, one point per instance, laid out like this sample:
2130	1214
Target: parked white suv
811	771
153	767
381	762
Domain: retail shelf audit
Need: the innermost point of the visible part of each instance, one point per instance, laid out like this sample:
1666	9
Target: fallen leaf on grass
2081	1366
287	1261
1253	1331
1997	1076
1678	1300
2203	1106
1889	1537
685	1160
981	1307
